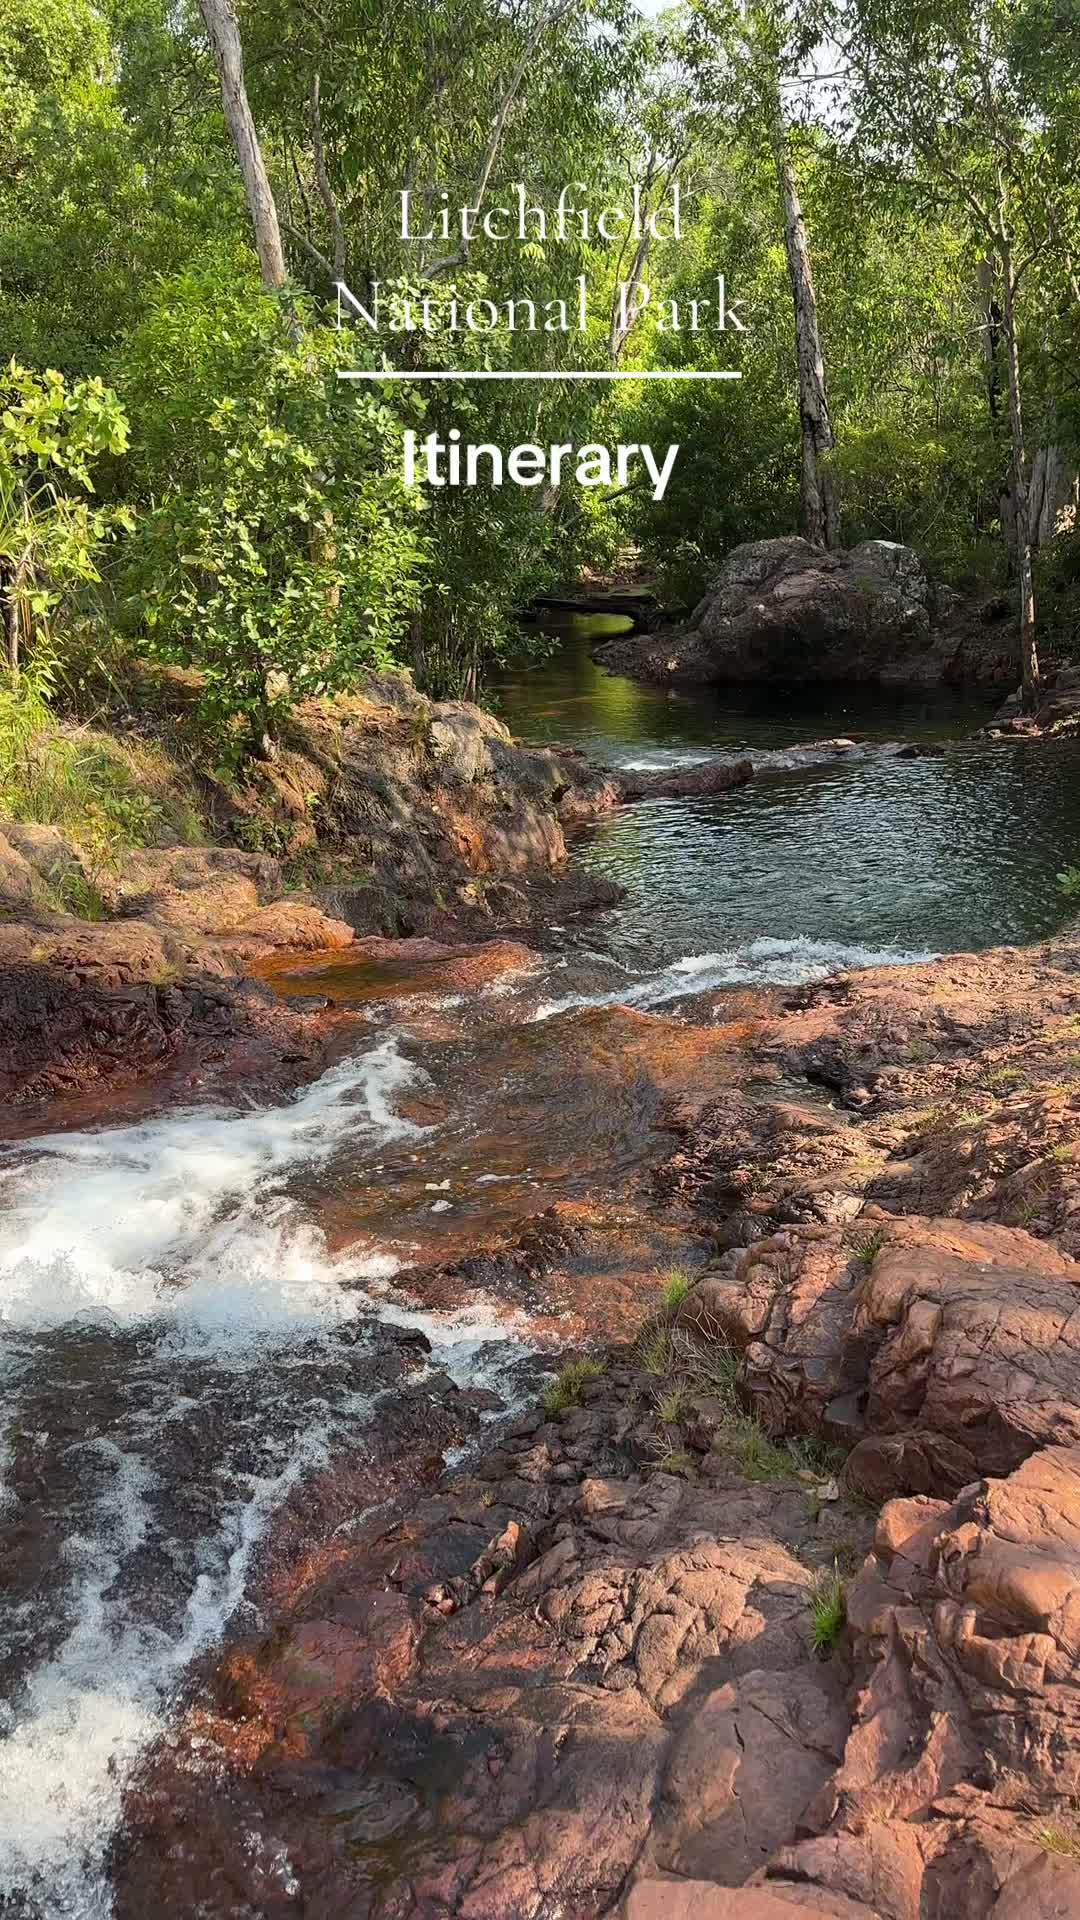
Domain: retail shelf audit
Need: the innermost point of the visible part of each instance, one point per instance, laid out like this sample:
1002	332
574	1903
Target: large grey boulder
782	609
788	613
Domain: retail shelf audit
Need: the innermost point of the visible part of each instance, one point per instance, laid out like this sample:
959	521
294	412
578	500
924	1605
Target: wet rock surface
556	1676
580	1675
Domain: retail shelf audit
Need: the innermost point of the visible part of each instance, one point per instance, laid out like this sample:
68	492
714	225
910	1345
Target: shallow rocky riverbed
329	1591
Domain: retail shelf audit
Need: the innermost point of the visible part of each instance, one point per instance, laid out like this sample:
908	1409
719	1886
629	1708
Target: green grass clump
828	1613
867	1248
670	1407
69	891
656	1352
566	1390
676	1288
812	1453
677	1462
1005	1077
757	1455
1060	1840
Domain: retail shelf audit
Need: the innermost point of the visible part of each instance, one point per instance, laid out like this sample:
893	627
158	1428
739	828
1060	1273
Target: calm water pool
870	854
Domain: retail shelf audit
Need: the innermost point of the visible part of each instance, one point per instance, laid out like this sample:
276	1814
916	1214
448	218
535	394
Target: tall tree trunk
1029	655
820	517
1053	492
224	35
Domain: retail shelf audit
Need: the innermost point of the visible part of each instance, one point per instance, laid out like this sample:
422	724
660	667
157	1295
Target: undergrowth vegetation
828	1612
565	1391
686	1368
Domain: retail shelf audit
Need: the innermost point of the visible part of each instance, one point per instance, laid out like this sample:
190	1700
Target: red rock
704	1900
957	1348
964	1759
299	925
447	968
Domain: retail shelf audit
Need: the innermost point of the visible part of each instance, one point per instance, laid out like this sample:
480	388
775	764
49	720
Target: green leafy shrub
51	436
286	553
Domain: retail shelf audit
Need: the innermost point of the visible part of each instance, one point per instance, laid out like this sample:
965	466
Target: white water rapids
168	1313
179	1350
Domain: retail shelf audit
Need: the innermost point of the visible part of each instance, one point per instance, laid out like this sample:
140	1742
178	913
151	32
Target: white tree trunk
819	511
1029	653
1052	495
224	36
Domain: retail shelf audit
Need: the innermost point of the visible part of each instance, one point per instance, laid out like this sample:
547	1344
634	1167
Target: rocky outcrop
422	818
429	820
583	1674
958	1789
1056	712
88	1000
935	1349
533	1689
787	612
686	783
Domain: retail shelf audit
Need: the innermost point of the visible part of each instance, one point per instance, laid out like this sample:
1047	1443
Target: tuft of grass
710	1367
566	1390
757	1455
812	1453
1062	1840
670	1407
677	1462
828	1612
1005	1077
868	1246
656	1352
676	1288
920	1053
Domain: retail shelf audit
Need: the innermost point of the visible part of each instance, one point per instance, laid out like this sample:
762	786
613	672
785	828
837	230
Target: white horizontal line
395	373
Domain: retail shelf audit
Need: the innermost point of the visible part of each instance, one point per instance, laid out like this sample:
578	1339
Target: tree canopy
890	190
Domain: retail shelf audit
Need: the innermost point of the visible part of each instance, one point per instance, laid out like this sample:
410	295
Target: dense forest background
891	189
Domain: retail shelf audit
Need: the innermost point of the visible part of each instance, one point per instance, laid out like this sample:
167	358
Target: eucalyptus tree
939	90
760	48
223	32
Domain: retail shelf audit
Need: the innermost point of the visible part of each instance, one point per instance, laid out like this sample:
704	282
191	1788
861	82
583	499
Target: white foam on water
91	1710
765	962
183	1217
668	764
181	1228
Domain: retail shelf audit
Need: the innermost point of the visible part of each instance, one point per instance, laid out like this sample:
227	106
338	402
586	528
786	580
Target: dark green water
812	865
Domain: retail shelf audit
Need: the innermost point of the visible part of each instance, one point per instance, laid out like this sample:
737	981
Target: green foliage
1064	1841
828	1613
678	1462
670	1407
656	1352
52	435
61	778
676	1287
293	557
867	1247
1068	882
565	1392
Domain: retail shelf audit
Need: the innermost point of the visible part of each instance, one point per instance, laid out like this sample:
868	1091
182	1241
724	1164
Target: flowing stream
201	1310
